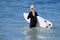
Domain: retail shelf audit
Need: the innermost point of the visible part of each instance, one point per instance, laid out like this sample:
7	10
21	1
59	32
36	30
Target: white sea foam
41	37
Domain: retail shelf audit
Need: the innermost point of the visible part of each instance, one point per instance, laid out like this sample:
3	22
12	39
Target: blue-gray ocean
13	26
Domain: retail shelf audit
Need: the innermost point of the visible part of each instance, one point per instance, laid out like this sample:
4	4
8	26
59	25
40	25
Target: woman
33	17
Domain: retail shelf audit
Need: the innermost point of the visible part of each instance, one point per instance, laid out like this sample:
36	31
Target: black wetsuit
33	19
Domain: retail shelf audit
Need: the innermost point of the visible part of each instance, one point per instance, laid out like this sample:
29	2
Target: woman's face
32	9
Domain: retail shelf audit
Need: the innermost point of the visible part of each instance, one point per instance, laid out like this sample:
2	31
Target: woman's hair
32	6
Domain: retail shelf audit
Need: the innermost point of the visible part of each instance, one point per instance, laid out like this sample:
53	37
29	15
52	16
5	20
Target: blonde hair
32	6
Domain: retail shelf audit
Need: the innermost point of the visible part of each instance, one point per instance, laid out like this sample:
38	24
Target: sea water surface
13	26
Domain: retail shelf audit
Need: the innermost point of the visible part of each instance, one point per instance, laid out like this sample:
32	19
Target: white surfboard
41	21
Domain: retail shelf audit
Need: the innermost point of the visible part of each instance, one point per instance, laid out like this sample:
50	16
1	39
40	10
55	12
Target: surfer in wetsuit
33	17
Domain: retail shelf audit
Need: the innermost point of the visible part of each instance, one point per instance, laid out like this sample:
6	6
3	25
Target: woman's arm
28	16
36	13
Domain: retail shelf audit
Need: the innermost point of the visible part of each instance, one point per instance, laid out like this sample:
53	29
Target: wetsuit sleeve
36	14
28	16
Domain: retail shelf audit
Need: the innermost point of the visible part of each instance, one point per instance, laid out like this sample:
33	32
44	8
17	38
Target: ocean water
13	26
